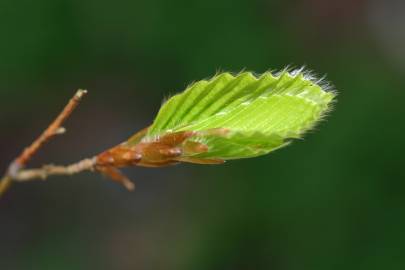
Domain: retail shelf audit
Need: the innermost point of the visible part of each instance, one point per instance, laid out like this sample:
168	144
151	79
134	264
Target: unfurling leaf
225	117
241	116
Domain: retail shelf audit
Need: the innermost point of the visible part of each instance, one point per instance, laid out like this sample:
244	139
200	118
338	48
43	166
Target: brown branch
5	184
89	164
50	170
53	129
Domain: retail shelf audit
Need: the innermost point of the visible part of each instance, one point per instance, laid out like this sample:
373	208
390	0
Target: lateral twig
55	128
50	170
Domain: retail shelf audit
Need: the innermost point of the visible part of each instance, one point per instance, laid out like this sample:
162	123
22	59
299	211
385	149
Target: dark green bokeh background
335	200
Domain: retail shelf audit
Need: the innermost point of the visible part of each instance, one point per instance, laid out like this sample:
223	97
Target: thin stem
4	184
50	170
89	164
53	129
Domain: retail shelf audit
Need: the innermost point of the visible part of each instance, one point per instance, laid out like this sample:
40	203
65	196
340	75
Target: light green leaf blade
262	113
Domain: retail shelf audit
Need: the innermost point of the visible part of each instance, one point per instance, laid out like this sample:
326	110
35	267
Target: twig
55	128
5	184
49	170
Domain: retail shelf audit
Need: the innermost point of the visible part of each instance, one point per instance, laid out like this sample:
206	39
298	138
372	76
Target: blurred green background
335	200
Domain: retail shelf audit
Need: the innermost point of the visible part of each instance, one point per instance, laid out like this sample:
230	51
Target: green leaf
261	113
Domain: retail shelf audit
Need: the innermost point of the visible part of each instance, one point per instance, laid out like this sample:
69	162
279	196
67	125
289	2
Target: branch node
13	169
60	131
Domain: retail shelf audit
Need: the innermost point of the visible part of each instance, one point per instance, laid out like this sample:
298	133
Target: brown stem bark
55	128
50	170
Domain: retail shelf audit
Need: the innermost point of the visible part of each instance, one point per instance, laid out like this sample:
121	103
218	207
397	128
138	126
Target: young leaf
260	114
226	117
